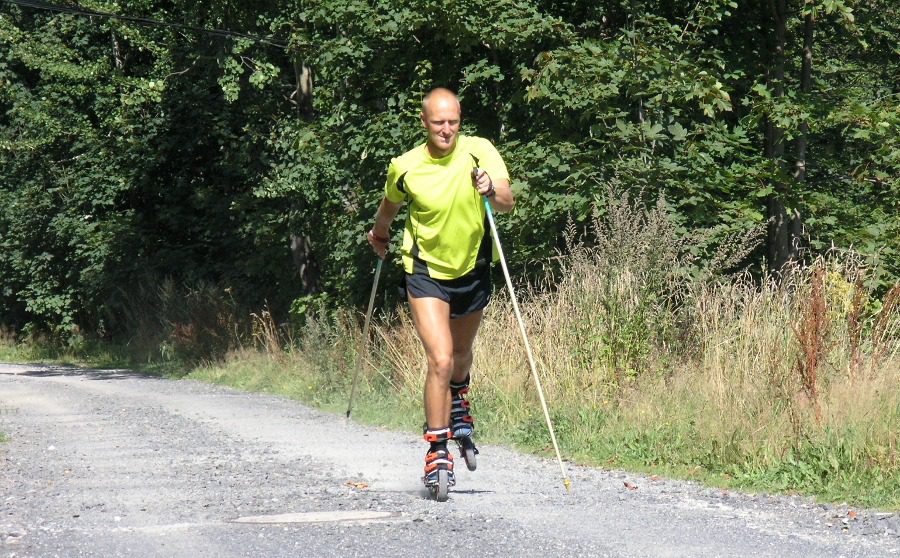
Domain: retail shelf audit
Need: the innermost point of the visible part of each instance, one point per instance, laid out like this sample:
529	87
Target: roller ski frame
439	475
463	424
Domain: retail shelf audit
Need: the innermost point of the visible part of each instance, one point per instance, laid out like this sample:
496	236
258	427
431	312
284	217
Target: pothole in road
319	517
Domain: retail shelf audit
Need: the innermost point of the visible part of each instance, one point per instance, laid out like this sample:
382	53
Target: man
446	253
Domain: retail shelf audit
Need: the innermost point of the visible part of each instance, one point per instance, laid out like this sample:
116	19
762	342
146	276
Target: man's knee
462	358
441	365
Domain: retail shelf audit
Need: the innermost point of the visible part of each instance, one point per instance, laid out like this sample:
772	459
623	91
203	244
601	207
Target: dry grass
646	358
649	360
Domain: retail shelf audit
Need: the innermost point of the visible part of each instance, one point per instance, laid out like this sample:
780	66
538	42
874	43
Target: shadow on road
49	371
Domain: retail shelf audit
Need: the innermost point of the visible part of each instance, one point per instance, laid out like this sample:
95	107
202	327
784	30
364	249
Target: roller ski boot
438	464
462	423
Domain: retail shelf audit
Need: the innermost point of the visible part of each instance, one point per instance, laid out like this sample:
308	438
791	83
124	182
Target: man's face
441	119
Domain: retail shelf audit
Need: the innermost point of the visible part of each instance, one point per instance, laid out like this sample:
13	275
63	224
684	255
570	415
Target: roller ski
463	424
439	475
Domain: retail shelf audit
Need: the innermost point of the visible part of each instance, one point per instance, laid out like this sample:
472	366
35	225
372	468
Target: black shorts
467	294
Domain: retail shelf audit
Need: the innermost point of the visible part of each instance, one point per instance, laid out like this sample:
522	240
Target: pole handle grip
487	204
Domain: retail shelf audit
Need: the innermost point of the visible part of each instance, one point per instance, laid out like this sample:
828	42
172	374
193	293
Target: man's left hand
482	182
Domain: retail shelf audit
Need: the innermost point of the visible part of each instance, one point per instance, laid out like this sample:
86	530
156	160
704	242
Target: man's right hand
379	243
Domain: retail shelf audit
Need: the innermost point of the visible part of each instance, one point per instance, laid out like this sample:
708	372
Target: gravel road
111	463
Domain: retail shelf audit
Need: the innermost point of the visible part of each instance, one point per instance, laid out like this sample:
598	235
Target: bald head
440	118
440	97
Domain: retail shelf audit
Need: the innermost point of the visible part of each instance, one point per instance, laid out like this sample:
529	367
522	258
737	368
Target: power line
77	10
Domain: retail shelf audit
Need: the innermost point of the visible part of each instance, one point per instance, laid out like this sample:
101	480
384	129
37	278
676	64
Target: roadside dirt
111	463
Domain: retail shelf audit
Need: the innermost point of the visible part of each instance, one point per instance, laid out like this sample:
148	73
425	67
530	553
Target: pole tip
568	484
348	413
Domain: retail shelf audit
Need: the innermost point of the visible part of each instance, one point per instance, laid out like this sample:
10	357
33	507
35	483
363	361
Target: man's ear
424	121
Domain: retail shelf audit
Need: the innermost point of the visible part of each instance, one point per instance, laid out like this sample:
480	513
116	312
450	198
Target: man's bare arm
380	235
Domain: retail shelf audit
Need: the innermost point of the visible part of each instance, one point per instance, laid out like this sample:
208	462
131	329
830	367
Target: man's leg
448	349
463	330
431	317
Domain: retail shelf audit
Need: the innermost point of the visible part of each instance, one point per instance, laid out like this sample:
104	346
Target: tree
133	152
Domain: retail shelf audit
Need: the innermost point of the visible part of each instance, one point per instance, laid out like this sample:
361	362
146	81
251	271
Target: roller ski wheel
462	423
467	451
438	464
439	474
441	490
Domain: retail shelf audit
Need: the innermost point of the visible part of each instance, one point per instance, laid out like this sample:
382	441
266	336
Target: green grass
833	467
14	352
661	432
295	379
649	364
90	355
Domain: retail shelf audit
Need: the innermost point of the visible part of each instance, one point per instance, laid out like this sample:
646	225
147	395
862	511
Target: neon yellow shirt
446	218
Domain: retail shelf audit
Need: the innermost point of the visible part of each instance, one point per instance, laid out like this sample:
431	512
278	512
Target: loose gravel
112	463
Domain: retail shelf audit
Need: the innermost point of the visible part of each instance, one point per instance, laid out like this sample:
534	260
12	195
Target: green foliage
623	283
132	154
830	466
121	163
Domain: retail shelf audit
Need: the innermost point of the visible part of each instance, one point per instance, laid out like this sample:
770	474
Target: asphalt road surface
111	463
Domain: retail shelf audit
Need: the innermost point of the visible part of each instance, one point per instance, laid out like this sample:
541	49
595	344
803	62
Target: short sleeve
491	162
392	190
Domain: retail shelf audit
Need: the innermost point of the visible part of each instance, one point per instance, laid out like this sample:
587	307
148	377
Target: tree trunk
805	90
781	248
304	260
301	244
809	26
303	93
118	61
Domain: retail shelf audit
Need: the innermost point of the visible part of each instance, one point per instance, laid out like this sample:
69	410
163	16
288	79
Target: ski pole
365	336
537	380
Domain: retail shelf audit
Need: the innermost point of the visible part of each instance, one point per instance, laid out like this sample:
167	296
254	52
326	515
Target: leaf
678	132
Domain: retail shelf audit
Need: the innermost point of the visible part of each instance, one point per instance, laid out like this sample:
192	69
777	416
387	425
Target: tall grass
655	363
650	359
